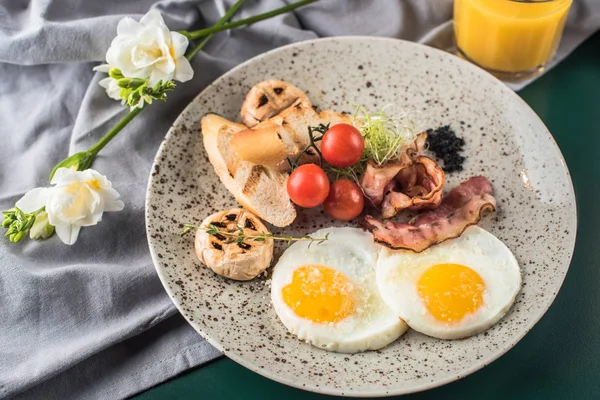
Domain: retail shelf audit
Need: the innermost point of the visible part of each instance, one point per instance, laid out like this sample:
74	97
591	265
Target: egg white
351	251
398	273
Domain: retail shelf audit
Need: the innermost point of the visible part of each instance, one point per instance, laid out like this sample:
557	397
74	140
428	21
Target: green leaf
78	161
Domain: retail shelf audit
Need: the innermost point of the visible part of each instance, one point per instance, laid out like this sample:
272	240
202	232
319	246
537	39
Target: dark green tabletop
560	357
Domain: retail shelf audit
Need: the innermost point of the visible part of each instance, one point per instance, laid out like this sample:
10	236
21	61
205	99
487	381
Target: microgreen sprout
385	132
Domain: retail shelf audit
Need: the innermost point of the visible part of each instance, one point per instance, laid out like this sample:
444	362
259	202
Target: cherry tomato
342	145
308	185
345	200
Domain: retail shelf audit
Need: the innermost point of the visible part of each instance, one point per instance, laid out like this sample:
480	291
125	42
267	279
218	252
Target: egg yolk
320	294
451	291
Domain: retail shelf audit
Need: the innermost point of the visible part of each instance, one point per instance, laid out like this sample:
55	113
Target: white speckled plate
505	141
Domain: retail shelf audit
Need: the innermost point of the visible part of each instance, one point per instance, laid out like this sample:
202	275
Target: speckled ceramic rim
348	391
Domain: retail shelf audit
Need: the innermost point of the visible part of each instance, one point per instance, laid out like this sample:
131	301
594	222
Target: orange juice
507	35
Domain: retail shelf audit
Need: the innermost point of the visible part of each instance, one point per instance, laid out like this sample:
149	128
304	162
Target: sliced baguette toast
284	135
260	189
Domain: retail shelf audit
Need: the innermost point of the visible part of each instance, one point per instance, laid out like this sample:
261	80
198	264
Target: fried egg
326	294
455	289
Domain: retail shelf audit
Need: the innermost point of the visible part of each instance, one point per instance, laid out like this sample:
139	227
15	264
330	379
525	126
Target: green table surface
560	357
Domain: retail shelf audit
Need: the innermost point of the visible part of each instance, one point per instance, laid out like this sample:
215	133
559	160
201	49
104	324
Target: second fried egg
452	290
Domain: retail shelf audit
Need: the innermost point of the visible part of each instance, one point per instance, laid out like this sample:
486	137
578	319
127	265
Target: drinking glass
513	39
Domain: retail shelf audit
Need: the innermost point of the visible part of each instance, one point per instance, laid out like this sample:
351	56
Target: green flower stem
200	45
220	22
95	149
84	159
218	28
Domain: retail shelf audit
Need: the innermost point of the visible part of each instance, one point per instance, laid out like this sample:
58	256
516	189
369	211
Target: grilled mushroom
241	261
268	98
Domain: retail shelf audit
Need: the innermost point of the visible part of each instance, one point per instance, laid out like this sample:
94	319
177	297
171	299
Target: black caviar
447	146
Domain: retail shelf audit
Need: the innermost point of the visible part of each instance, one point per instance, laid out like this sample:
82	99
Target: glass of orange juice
513	39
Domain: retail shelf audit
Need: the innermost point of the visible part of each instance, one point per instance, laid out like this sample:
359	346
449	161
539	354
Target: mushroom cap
226	257
268	98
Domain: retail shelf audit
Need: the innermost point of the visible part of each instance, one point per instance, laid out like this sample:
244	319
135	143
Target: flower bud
130	83
17	236
41	228
124	82
115	73
11	230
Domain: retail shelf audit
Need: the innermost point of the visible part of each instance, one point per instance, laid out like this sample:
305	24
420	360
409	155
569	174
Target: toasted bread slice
261	190
284	135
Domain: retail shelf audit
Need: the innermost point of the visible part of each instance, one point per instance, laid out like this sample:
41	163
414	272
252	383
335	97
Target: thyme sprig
321	128
238	236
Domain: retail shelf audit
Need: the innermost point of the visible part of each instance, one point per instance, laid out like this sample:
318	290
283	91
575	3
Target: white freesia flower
109	84
78	198
148	50
112	88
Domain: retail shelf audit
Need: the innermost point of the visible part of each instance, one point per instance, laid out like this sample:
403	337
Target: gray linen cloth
92	321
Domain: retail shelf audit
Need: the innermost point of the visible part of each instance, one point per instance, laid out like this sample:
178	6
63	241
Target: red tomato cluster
308	185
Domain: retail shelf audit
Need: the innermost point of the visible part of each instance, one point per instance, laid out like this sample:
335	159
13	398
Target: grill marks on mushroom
248	224
227	256
267	99
230	225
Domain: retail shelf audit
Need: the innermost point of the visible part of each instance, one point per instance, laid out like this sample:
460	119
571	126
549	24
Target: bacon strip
463	207
377	177
413	181
416	147
416	186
